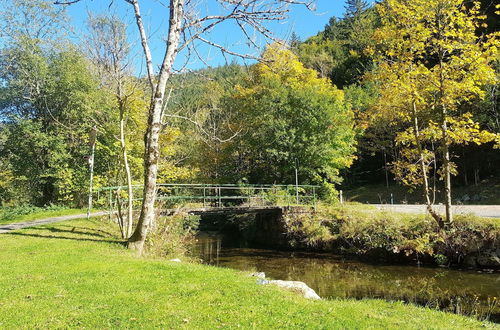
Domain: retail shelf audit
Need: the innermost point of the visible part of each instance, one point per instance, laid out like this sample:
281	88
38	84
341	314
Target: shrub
171	236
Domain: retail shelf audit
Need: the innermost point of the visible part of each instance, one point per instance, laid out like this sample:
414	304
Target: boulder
489	258
471	260
297	286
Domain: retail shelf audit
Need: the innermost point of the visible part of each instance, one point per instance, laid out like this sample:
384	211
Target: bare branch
66	3
202	130
144	42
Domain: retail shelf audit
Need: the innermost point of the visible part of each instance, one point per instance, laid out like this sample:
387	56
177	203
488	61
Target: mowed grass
7	218
77	274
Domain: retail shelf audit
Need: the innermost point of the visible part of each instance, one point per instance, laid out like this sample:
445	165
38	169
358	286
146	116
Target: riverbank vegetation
385	236
94	282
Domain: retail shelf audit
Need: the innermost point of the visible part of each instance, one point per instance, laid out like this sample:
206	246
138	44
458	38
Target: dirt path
487	211
32	223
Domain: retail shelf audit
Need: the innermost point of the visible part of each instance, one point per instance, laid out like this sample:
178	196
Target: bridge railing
210	195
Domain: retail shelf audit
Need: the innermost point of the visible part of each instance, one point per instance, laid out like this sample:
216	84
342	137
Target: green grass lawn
7	218
77	274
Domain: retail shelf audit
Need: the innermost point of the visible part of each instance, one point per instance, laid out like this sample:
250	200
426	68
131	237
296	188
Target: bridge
213	198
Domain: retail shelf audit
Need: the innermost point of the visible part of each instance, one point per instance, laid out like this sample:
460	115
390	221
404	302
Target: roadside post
92	141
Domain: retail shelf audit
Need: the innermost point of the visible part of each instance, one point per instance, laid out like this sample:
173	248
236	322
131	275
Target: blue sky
301	21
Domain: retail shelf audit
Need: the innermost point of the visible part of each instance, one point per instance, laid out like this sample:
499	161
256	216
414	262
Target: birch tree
110	51
189	25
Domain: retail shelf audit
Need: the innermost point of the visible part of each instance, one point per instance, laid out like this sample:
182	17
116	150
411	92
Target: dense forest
336	106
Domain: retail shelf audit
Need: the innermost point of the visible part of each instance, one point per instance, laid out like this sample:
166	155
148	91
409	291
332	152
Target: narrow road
32	223
487	211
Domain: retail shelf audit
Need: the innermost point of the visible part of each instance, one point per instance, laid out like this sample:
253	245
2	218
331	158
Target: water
465	292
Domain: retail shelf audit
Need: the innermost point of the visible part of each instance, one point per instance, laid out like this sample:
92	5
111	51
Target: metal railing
214	195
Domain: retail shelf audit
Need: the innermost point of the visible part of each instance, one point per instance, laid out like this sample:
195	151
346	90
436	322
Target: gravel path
32	223
487	211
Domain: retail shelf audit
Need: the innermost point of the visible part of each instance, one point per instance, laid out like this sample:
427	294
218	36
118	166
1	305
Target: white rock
261	275
175	260
301	287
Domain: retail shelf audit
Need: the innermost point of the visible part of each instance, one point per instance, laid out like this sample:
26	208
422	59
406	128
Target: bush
171	236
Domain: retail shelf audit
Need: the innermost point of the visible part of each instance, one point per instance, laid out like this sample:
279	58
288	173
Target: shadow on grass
75	230
107	233
118	242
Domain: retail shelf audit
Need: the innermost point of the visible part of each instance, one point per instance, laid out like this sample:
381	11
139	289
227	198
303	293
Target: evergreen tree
294	42
354	8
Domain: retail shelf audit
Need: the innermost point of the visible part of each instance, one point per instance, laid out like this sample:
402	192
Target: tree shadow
82	239
75	230
107	233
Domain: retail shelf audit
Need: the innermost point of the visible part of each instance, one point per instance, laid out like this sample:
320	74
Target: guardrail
210	195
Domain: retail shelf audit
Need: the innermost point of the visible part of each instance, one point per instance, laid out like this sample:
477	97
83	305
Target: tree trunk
123	144
152	136
386	171
121	223
446	149
447	178
423	168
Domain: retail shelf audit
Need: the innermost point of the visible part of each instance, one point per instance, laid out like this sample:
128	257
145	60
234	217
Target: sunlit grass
78	274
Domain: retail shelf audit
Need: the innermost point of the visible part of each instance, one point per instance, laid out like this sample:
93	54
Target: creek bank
366	233
336	277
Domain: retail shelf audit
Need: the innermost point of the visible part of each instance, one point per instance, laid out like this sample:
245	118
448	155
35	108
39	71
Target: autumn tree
197	109
431	61
288	115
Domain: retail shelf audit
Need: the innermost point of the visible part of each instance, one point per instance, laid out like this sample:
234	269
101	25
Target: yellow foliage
280	63
430	61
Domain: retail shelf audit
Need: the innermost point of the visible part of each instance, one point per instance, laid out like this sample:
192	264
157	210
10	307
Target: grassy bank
364	231
28	213
77	274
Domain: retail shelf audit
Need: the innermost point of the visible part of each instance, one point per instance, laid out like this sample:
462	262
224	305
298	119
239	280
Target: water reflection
331	276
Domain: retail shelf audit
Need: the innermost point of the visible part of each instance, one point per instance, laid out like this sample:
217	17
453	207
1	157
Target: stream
472	293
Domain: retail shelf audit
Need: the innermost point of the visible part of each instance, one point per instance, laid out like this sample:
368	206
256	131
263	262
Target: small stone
175	260
261	281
